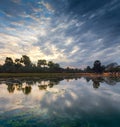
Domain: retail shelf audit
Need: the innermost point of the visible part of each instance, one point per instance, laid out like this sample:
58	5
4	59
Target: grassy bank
41	75
55	75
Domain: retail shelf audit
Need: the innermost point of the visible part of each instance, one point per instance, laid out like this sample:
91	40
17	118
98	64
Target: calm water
83	102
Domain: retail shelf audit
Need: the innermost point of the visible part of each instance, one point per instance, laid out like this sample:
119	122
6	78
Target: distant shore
62	75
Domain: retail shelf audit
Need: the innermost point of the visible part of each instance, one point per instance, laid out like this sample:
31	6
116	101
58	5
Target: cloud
16	1
74	33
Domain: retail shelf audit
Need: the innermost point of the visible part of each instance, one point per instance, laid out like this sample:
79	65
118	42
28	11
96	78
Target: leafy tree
8	61
41	63
8	65
111	67
97	67
26	60
54	67
88	69
18	63
50	64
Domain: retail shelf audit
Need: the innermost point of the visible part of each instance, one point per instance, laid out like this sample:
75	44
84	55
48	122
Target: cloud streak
72	33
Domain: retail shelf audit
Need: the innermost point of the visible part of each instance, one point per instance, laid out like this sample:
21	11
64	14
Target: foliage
26	60
97	67
24	65
41	63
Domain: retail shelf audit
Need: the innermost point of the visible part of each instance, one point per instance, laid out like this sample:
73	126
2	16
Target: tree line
25	65
99	68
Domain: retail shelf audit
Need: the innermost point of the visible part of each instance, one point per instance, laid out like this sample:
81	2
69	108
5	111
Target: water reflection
96	81
27	89
88	101
25	84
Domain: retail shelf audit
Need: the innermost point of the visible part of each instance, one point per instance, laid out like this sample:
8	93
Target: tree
26	60
54	67
18	63
111	67
41	63
50	64
9	65
87	69
8	61
97	67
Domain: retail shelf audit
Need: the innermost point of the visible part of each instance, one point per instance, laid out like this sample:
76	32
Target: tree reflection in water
72	100
96	81
10	88
25	84
27	89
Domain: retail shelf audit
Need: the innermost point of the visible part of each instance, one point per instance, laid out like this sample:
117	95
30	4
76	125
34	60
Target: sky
72	33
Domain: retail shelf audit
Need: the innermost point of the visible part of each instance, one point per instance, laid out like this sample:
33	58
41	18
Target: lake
59	102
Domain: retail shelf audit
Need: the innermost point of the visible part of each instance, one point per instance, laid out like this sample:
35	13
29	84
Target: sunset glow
69	32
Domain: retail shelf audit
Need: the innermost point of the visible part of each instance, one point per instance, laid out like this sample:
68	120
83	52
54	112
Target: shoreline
55	75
